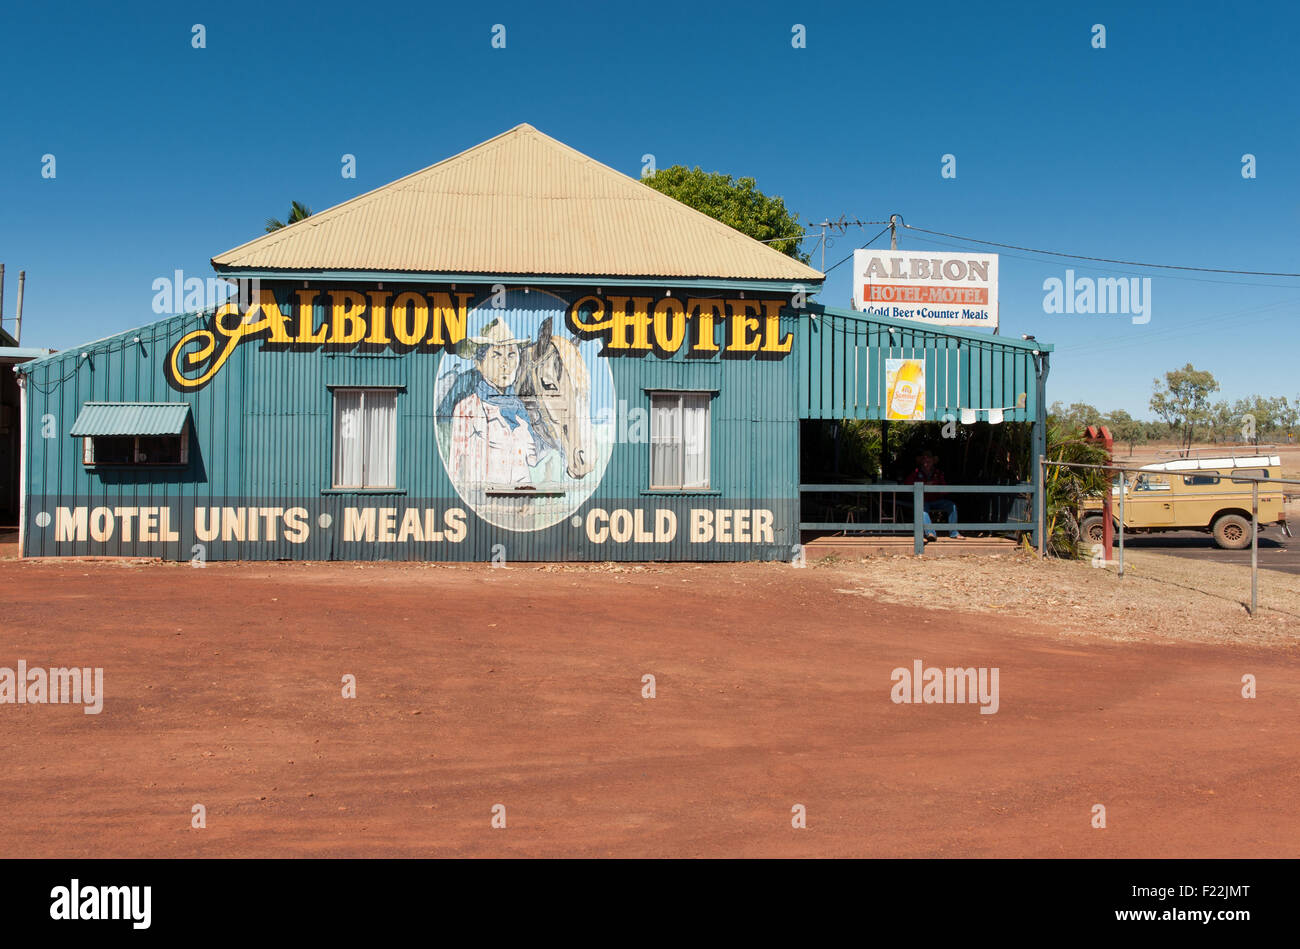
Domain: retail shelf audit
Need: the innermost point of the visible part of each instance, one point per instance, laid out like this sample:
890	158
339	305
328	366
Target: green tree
1288	416
1076	416
1065	489
1125	429
735	202
1262	416
297	212
1222	422
1183	401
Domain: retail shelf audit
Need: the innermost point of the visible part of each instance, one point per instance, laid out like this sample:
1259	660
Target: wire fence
1122	470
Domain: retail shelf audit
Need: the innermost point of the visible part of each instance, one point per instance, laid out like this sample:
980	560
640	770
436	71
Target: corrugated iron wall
842	368
261	438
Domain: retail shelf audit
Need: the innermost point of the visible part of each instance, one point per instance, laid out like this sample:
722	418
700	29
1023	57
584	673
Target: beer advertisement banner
905	389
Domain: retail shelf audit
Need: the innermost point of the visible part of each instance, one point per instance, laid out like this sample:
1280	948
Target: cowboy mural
524	427
492	440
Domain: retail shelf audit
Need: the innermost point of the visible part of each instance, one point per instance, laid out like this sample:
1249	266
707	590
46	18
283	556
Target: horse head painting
556	388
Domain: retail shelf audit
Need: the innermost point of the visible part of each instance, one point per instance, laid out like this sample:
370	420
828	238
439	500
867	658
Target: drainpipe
22	464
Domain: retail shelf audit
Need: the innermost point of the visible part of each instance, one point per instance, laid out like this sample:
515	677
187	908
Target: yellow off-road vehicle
1207	493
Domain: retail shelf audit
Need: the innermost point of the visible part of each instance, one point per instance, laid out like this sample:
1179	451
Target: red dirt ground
522	686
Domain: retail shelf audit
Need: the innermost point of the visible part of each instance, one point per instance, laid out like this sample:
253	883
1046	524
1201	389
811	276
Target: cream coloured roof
520	203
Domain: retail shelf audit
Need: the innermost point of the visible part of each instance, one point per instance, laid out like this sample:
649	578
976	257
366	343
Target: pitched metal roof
130	418
520	203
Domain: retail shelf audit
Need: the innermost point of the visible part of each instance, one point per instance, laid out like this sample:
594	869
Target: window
679	440
133	433
136	449
1249	474
1210	477
365	438
1147	482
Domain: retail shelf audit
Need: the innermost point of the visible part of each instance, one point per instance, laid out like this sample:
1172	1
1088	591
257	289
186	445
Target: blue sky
167	155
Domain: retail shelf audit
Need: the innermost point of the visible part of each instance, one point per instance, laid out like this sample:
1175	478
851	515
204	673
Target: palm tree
1067	488
297	211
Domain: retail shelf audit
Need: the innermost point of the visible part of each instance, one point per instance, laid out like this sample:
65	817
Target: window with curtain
679	440
365	438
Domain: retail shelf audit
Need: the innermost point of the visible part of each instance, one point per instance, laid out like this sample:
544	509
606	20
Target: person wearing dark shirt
927	471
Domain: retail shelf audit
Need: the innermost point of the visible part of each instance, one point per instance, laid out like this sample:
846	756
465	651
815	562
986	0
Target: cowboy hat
495	333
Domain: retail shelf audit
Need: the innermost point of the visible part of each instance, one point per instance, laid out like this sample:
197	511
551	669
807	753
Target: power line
1111	270
1104	260
863	247
1167	334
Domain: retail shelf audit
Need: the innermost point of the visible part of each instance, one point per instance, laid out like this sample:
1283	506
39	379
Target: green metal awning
131	418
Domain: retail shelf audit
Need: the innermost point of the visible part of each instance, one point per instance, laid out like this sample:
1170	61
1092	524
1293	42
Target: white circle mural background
525	413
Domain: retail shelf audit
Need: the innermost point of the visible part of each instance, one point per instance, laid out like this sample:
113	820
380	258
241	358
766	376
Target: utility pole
2	296
18	331
893	232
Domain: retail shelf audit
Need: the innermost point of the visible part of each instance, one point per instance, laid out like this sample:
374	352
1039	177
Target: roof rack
1218	451
1207	461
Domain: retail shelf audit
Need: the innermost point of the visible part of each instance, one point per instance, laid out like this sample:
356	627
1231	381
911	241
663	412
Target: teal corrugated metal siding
841	357
262	432
262	429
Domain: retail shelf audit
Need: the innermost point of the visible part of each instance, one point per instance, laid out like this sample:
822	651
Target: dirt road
523	687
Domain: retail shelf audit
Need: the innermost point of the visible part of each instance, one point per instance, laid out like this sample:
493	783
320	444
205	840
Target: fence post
1254	547
1040	491
918	517
1121	522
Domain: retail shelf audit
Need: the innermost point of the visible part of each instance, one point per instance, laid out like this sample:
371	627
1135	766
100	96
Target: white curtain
349	438
665	441
679	440
695	440
365	438
380	409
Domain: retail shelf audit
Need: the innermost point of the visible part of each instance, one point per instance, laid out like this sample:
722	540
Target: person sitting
927	471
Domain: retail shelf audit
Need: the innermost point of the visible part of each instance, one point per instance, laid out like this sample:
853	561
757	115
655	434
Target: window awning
130	418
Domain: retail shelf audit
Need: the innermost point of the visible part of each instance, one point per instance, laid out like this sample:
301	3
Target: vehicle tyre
1232	532
1092	528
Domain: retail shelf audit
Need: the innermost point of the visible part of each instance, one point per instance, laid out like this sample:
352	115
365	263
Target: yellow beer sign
905	389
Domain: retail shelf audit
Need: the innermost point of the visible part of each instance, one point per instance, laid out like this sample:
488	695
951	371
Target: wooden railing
915	522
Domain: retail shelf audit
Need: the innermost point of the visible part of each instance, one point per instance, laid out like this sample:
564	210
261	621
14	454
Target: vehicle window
1251	473
1209	477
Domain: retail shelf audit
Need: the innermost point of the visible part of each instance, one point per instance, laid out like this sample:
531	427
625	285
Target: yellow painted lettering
307	318
772	341
742	325
346	324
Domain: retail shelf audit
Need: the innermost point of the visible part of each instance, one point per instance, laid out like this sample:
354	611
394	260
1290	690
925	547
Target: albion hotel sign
942	289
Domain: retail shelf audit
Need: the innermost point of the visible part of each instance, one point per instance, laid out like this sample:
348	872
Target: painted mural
525	413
